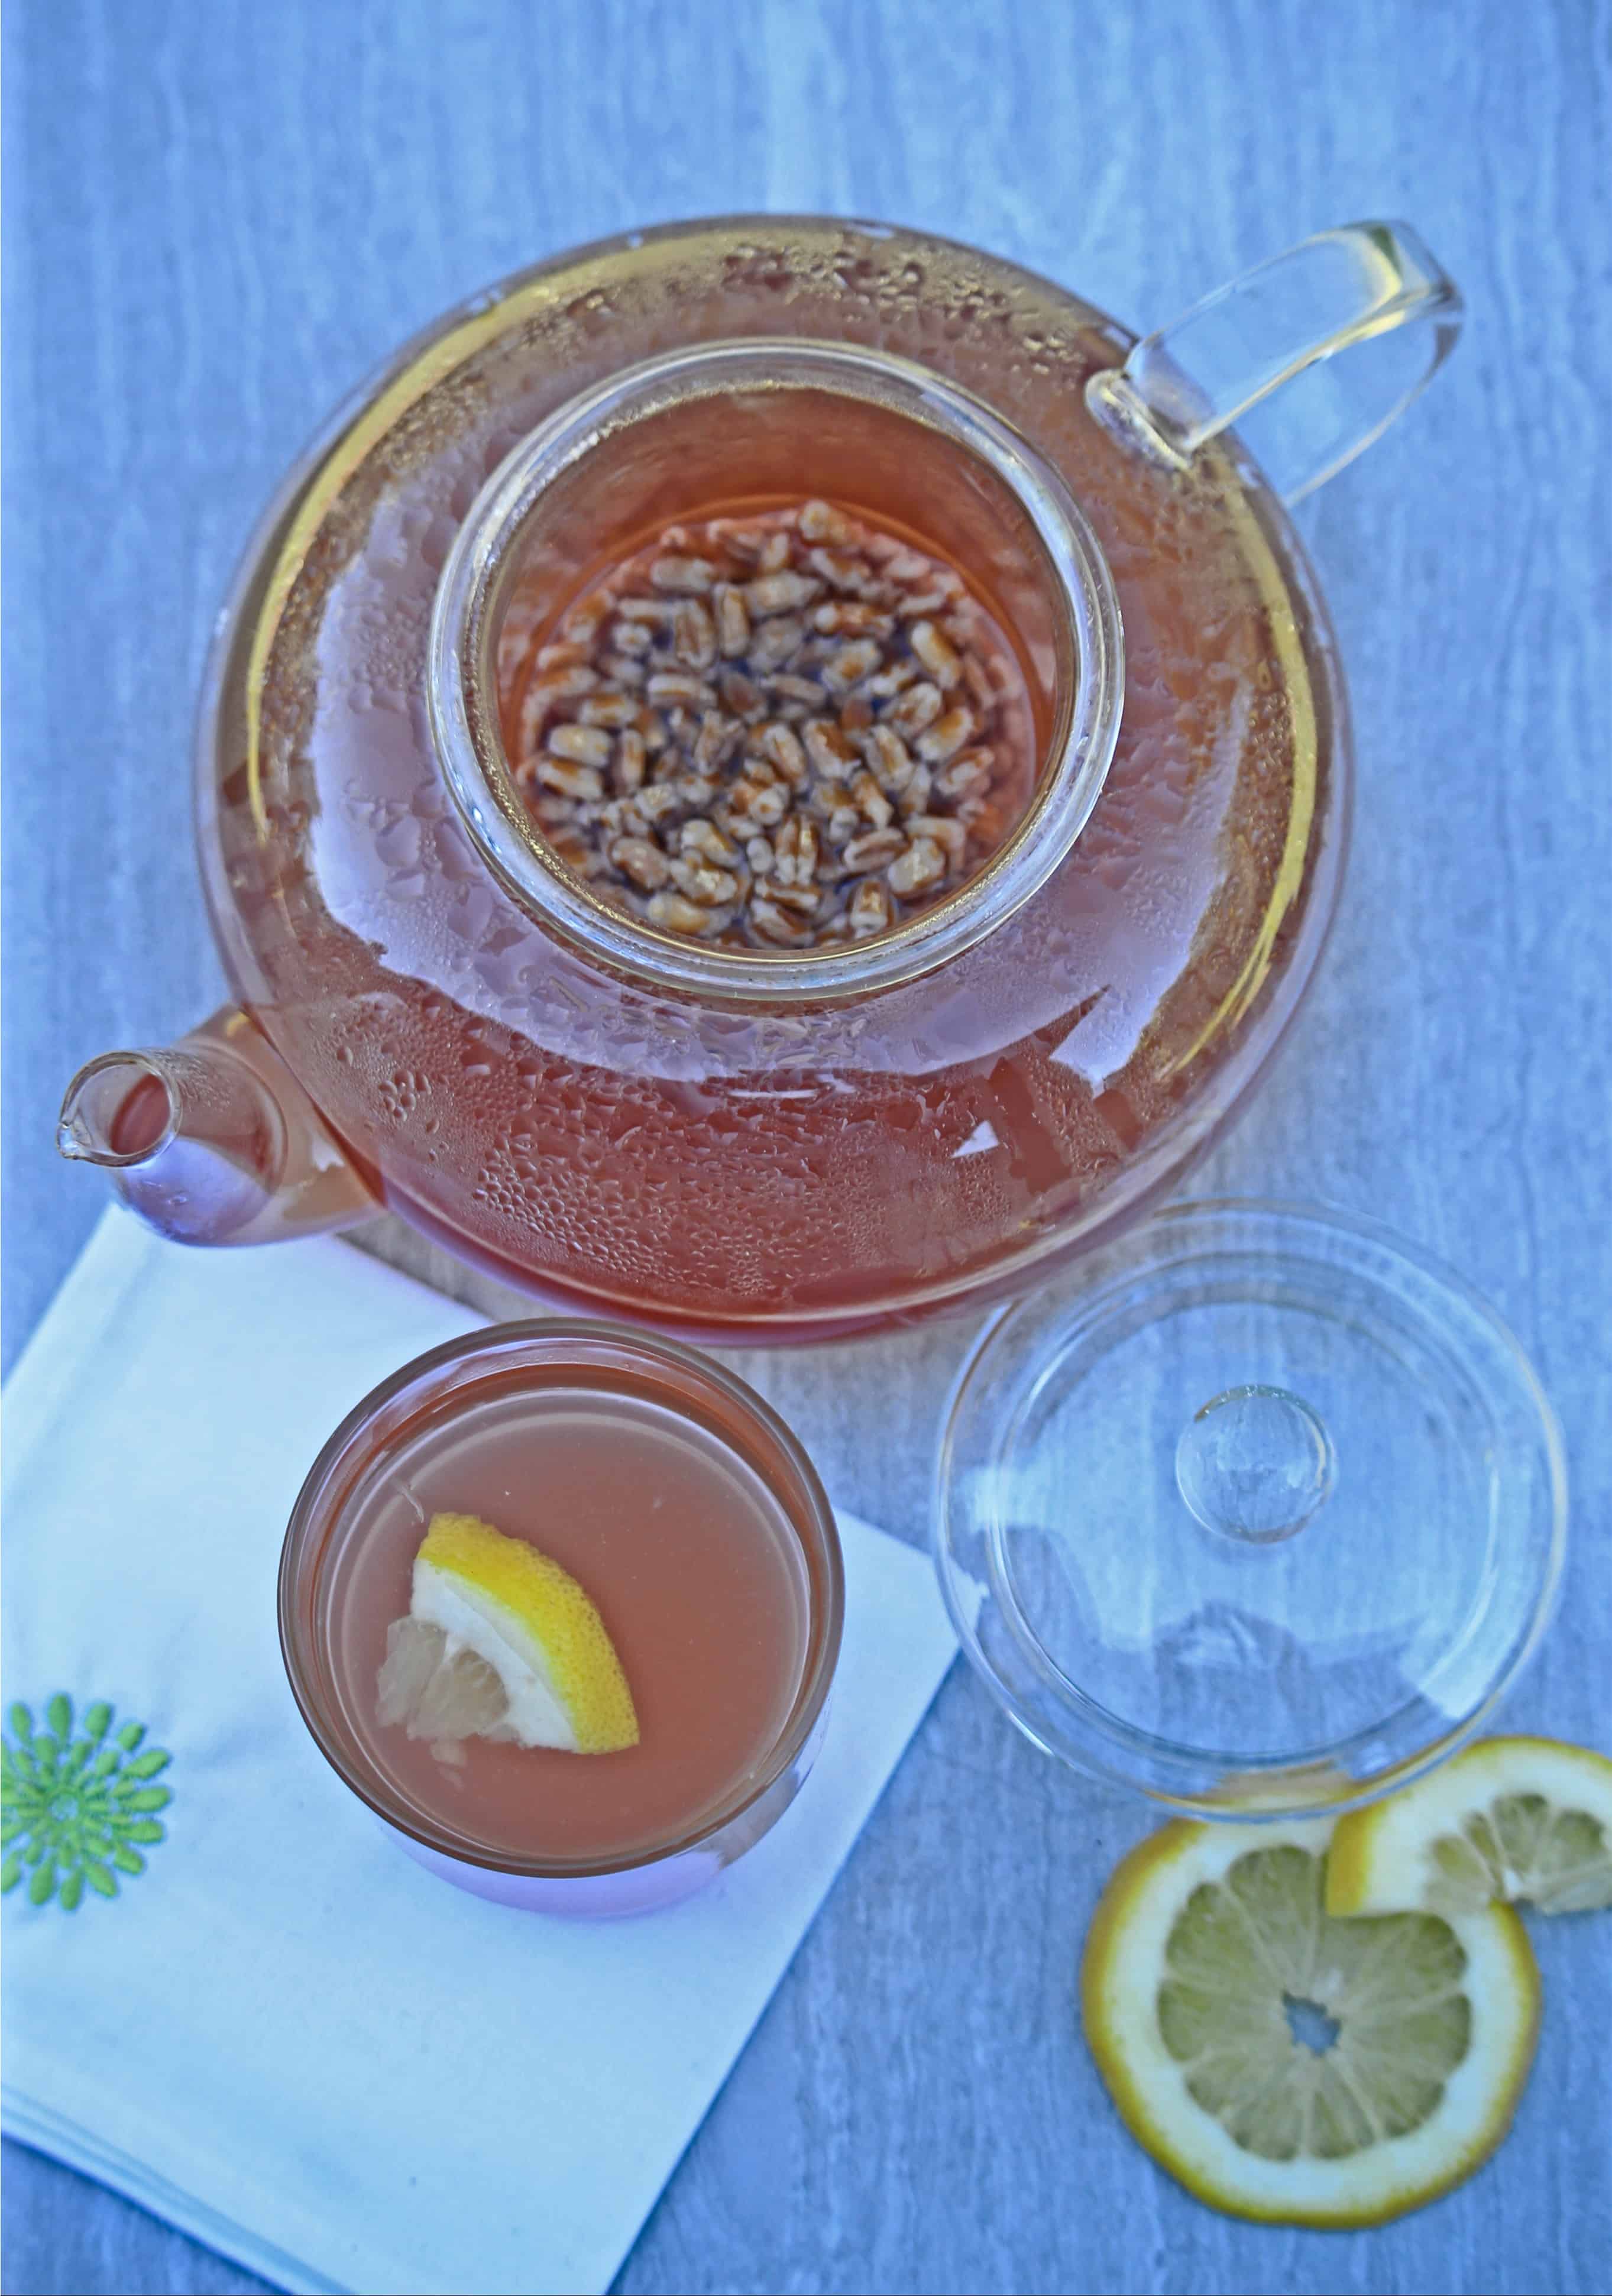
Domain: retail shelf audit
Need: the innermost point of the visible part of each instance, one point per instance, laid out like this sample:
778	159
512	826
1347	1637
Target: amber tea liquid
746	1174
690	1558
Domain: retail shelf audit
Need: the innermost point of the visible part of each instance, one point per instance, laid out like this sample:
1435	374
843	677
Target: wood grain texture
219	215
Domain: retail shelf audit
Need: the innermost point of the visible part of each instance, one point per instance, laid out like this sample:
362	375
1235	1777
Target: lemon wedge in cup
1288	2065
501	1643
1510	1818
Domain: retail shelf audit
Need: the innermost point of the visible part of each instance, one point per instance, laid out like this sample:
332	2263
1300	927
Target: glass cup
418	1408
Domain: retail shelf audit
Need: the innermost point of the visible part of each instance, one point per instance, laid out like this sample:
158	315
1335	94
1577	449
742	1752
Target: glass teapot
442	1012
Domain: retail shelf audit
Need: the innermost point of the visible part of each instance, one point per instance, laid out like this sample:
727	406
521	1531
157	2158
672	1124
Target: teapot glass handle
1329	342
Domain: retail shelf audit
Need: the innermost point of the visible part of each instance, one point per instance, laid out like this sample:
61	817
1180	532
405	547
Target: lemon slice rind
1468	1833
1122	1968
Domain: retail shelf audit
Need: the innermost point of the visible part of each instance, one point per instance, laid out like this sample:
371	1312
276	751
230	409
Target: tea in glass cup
563	1604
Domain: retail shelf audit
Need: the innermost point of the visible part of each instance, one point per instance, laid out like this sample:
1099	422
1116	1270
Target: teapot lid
1260	1511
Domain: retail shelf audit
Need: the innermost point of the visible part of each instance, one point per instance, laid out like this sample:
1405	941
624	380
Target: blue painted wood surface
220	214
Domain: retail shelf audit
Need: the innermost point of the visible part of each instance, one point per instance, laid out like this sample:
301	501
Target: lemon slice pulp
501	1643
1510	1817
1209	1953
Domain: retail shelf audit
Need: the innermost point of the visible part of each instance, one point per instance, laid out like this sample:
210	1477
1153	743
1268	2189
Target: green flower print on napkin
75	1807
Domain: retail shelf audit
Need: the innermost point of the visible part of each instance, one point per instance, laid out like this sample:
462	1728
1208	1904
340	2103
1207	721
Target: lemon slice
501	1643
1210	1955
1511	1817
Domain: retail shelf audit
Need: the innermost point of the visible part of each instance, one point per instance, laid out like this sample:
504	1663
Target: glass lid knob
1255	1464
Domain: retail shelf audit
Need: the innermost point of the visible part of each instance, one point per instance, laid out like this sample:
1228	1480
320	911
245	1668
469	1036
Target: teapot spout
213	1141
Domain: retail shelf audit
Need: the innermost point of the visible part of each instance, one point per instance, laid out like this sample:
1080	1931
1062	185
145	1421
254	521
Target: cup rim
464	714
306	1522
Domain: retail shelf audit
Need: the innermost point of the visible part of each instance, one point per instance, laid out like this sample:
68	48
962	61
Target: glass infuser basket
439	1013
1261	1513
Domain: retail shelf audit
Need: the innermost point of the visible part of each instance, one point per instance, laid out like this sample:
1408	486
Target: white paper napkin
285	2036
